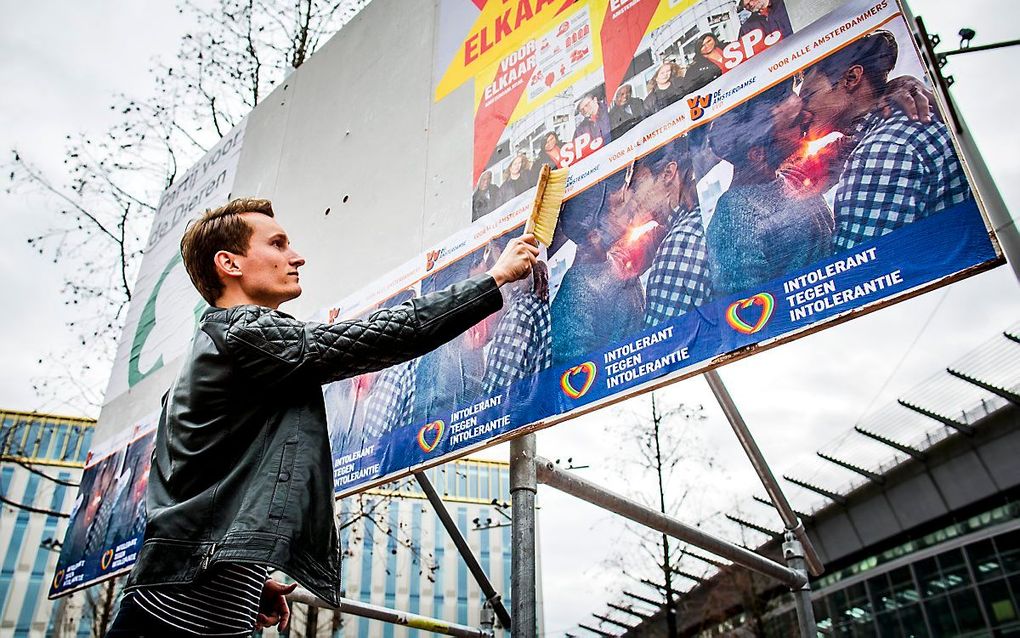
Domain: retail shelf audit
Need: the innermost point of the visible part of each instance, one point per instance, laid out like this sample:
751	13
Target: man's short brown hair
218	229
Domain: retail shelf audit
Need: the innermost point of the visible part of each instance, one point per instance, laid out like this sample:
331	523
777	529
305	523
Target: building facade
915	514
397	553
41	460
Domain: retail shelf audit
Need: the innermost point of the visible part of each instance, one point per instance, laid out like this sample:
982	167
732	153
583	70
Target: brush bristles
548	210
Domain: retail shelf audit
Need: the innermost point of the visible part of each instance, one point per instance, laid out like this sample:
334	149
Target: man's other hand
517	260
273	607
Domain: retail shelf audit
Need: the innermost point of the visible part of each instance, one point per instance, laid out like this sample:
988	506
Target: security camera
966	35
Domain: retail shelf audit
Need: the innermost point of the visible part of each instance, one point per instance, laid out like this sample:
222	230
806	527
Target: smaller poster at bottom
108	516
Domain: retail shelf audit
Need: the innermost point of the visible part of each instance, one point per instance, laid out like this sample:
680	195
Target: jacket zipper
208	557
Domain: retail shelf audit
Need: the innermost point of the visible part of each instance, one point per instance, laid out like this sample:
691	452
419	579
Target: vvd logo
698	104
431	257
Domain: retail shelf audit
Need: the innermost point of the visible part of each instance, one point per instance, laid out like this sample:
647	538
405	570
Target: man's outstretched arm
270	347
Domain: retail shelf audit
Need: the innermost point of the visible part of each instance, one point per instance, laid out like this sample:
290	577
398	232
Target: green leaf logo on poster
148	321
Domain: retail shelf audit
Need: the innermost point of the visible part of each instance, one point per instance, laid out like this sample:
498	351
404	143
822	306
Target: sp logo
698	104
431	257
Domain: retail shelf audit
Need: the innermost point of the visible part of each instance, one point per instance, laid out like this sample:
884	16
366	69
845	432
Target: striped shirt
224	601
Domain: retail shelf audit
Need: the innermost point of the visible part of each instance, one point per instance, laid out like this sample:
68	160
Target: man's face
485	180
650	196
825	103
589	107
755	5
787	126
269	270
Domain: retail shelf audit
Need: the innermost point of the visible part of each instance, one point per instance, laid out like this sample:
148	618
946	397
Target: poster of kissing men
734	183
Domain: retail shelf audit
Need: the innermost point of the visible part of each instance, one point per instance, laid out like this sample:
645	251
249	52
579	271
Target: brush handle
543	181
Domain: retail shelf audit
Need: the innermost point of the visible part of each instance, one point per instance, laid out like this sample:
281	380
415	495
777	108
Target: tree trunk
667	569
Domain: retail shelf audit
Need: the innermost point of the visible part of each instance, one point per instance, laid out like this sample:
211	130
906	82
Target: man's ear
853	77
669	173
226	264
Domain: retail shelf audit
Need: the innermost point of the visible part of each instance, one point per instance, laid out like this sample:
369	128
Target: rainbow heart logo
763	299
567	381
439	428
107	558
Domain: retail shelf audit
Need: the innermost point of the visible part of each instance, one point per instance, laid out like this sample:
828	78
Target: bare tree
103	200
663	462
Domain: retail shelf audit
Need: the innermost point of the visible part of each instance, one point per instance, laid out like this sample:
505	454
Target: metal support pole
523	486
491	595
550	475
768	480
793	551
995	206
394	616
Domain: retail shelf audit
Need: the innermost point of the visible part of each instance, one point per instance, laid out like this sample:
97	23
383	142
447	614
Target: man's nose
297	260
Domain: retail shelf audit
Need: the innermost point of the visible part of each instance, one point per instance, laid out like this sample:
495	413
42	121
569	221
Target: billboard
737	179
754	183
160	322
108	516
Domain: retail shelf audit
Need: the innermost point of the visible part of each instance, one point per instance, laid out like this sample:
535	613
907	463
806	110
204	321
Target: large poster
740	184
108	517
166	307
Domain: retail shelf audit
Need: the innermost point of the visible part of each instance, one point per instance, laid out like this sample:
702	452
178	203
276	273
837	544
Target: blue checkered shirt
680	278
522	343
901	171
390	401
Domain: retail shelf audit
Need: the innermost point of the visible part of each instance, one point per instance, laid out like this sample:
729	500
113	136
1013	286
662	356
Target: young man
761	228
903	166
241	479
680	276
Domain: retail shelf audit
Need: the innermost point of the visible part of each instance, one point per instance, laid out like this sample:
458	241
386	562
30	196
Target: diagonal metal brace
550	475
385	614
491	595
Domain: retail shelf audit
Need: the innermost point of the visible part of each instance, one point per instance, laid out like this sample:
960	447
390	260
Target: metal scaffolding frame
527	470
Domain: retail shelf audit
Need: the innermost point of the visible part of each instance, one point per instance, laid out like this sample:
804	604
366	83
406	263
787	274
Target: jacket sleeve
270	347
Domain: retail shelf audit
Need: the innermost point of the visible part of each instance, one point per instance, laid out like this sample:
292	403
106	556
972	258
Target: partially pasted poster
108	517
785	183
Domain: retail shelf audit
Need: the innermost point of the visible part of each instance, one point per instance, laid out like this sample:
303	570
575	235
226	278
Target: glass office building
962	580
41	459
402	558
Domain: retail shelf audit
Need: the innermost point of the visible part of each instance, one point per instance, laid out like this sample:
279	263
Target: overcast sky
63	62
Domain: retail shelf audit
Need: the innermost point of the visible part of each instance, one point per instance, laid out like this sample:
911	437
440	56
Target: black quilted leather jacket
241	469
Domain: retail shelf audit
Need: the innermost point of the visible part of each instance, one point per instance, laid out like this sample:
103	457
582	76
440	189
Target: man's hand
273	607
911	96
517	260
540	281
